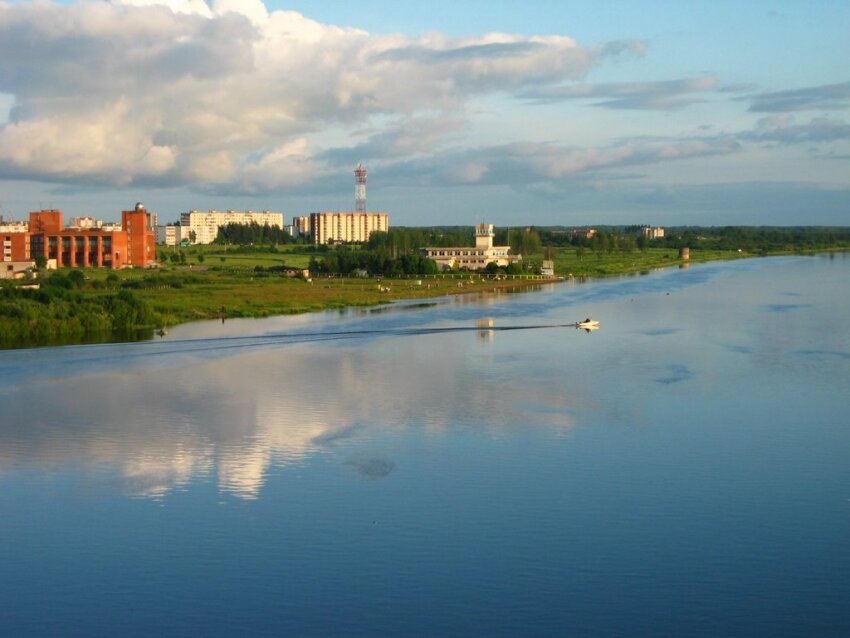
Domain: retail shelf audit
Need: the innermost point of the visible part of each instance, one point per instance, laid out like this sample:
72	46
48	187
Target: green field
200	290
209	282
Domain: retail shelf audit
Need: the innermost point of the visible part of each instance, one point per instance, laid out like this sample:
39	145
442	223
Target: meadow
212	282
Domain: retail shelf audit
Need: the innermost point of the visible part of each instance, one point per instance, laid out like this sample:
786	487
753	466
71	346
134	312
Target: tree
530	243
77	278
40	262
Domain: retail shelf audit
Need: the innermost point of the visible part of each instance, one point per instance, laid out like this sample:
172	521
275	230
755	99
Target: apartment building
333	227
203	225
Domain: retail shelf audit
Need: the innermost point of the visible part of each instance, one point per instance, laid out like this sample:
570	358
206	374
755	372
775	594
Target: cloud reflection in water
233	417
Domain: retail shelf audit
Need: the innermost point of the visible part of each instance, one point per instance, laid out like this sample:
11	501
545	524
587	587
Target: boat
588	324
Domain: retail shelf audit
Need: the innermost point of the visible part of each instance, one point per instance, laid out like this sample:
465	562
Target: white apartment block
346	227
172	235
473	258
205	225
653	232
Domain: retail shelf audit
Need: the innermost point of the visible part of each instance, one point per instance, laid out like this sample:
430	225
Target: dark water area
145	334
472	467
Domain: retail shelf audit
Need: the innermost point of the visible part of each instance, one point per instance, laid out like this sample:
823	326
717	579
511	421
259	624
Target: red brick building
133	245
16	245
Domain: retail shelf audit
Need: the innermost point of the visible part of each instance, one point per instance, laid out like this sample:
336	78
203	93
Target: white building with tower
473	258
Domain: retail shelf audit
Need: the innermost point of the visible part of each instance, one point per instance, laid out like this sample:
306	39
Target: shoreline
185	295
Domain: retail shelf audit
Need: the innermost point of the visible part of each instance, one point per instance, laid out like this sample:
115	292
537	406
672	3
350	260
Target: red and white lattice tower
360	188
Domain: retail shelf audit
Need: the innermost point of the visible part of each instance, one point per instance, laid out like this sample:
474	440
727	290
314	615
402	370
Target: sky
545	112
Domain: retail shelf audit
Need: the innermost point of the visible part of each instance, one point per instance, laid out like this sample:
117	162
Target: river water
467	467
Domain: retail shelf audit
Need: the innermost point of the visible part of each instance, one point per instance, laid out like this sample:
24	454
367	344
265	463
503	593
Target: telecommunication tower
360	188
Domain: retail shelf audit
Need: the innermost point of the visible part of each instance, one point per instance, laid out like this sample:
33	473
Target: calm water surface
685	470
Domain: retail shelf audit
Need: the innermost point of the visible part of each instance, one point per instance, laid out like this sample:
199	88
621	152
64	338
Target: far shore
182	294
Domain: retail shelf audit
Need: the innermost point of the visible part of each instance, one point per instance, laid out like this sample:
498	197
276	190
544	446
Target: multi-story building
300	226
473	258
98	245
202	226
327	227
172	235
141	236
14	249
15	241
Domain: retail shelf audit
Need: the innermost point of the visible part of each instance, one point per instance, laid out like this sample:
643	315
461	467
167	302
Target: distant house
651	232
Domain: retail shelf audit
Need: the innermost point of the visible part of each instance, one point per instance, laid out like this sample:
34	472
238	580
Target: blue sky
542	113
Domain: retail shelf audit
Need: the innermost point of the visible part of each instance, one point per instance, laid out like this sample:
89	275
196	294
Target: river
471	466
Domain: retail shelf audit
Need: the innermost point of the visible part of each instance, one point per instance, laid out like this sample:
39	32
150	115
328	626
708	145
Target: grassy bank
209	282
245	292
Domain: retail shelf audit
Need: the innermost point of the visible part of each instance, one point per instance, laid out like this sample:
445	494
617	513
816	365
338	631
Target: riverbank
214	292
179	294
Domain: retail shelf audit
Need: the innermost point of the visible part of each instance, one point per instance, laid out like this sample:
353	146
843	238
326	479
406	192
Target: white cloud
112	146
198	7
231	94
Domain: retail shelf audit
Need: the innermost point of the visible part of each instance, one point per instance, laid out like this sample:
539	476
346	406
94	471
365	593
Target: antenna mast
360	188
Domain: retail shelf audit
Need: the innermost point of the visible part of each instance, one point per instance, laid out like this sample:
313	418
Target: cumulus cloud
665	95
825	97
229	93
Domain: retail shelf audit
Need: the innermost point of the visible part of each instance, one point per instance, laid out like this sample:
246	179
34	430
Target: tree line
748	238
344	261
59	312
757	238
252	233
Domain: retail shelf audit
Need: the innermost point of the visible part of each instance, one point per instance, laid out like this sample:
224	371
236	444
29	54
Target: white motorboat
588	324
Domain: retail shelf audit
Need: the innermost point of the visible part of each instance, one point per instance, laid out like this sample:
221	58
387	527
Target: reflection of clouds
175	419
154	476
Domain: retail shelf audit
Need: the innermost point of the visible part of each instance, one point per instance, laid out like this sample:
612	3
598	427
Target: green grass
234	285
200	290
